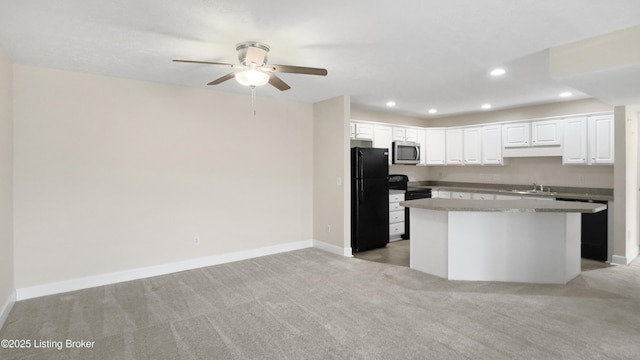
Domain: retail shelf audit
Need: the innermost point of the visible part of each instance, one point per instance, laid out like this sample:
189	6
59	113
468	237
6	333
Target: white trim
141	273
347	252
633	255
619	260
6	308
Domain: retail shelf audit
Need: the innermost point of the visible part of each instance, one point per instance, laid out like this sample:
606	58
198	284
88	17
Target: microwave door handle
417	150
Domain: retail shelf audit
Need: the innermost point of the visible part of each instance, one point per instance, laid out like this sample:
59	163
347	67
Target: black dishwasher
594	232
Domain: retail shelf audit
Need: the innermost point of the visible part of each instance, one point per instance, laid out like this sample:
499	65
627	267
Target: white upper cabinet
575	141
399	134
546	133
492	145
601	139
472	146
363	131
435	154
411	134
454	147
532	139
382	138
421	138
405	134
588	140
515	135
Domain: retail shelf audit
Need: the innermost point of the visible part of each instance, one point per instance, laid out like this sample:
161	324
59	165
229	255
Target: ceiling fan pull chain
253	100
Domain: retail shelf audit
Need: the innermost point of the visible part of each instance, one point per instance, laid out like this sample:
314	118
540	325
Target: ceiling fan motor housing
252	52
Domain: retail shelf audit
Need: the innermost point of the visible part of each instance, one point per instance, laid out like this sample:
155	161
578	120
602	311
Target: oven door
405	152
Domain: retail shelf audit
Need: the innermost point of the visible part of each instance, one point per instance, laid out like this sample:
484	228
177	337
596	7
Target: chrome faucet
535	187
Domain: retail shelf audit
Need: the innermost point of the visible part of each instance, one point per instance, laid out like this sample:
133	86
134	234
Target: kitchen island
532	241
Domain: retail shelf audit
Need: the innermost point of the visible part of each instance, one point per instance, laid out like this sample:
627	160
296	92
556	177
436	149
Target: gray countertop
584	194
523	205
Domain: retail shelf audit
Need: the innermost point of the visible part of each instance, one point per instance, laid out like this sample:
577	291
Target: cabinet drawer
396	198
395	207
478	196
460	195
396	229
396	216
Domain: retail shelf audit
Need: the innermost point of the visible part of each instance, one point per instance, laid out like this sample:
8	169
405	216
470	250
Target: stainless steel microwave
405	152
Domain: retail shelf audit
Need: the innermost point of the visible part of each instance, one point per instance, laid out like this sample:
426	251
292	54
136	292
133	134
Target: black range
401	182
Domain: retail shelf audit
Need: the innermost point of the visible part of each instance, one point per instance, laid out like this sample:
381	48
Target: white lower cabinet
441	194
396	217
479	196
508	197
460	195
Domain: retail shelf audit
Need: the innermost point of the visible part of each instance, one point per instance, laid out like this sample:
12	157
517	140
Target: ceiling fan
253	69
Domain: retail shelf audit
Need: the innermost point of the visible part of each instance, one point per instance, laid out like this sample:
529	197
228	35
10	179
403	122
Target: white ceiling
420	53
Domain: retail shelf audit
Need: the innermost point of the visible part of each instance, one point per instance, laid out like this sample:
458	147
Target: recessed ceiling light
498	72
433	111
486	106
566	94
391	103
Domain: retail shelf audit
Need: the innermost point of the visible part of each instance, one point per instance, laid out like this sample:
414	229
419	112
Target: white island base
530	247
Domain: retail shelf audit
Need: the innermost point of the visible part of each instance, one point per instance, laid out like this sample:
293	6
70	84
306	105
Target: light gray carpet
309	304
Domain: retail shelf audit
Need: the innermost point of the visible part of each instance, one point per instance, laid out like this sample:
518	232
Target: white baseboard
619	260
146	272
347	252
6	308
633	255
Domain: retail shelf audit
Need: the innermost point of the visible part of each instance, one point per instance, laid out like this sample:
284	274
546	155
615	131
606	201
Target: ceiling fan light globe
252	77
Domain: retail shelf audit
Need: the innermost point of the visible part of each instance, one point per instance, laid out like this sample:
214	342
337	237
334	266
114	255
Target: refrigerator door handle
361	192
360	167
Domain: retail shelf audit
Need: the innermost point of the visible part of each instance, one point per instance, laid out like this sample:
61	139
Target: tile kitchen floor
395	253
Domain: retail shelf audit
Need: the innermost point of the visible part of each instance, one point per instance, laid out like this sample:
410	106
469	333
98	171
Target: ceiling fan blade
297	70
255	55
278	83
223	79
205	62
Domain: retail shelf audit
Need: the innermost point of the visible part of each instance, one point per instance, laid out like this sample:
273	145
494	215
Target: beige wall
114	174
384	117
632	184
524	113
331	167
6	180
596	53
547	171
625	231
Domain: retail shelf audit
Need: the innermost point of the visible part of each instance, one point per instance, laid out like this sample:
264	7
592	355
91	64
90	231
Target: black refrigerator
369	198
